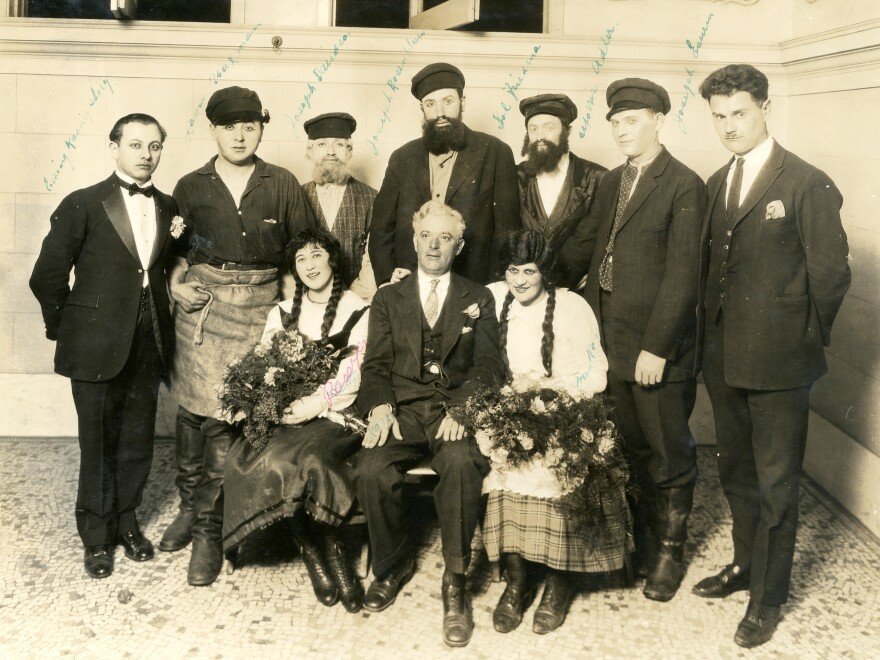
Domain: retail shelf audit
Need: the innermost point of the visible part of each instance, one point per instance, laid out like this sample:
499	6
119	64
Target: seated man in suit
432	338
643	283
775	273
113	331
556	188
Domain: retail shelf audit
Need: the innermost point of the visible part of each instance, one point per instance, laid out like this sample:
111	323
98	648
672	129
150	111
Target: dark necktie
134	189
735	189
626	184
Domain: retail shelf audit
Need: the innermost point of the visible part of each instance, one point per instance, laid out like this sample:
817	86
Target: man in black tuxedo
775	274
470	171
113	332
643	283
432	338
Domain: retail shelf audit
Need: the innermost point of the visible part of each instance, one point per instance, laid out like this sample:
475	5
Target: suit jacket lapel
114	206
163	229
766	176
453	315
410	313
467	159
645	185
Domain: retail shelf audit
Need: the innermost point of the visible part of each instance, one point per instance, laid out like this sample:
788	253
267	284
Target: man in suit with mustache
775	274
432	338
470	171
113	332
642	285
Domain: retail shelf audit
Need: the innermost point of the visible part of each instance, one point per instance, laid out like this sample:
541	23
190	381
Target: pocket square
775	209
271	221
466	329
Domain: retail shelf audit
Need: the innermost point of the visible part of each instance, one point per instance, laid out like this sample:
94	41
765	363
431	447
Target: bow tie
134	189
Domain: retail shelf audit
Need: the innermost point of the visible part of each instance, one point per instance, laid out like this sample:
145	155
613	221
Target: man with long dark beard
342	204
470	171
556	188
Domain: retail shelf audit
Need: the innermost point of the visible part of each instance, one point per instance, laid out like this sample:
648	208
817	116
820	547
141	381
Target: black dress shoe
550	612
351	591
508	614
99	561
383	592
730	580
319	573
757	626
458	620
136	545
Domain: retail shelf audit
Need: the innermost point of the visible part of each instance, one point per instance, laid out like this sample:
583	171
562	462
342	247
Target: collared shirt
425	287
330	196
142	216
272	211
550	184
753	161
640	169
440	168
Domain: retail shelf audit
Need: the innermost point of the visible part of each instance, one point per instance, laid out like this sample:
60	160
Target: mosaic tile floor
49	608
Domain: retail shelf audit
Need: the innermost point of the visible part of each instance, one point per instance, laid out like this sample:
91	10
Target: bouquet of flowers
269	377
574	438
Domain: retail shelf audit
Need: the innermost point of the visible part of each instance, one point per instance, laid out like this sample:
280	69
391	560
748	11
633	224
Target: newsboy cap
558	105
635	93
439	75
331	124
232	104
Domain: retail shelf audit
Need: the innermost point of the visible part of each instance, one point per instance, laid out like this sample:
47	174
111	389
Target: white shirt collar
757	156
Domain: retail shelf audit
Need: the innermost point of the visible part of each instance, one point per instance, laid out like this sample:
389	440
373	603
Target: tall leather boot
665	576
189	454
207	549
508	613
349	587
319	573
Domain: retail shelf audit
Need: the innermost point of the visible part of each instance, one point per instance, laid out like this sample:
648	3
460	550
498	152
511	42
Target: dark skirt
301	468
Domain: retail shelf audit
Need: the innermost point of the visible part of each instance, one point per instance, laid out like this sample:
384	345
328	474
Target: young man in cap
776	274
113	331
238	213
470	171
556	188
342	204
642	285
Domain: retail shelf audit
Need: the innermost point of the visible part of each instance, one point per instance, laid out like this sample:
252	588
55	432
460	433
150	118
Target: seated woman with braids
549	339
300	472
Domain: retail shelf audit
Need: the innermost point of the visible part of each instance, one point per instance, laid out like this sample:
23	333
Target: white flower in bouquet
587	436
525	440
554	455
269	377
507	390
498	455
606	444
537	406
484	442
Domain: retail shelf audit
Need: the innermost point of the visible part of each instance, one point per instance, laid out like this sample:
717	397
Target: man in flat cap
642	285
775	274
113	333
237	215
470	171
342	204
556	188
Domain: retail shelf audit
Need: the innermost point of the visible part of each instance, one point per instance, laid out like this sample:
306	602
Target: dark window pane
197	11
372	13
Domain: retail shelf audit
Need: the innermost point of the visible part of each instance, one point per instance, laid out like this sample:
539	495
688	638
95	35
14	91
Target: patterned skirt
539	530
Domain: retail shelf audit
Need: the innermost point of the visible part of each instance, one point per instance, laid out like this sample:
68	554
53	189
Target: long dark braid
296	306
502	335
547	327
330	312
